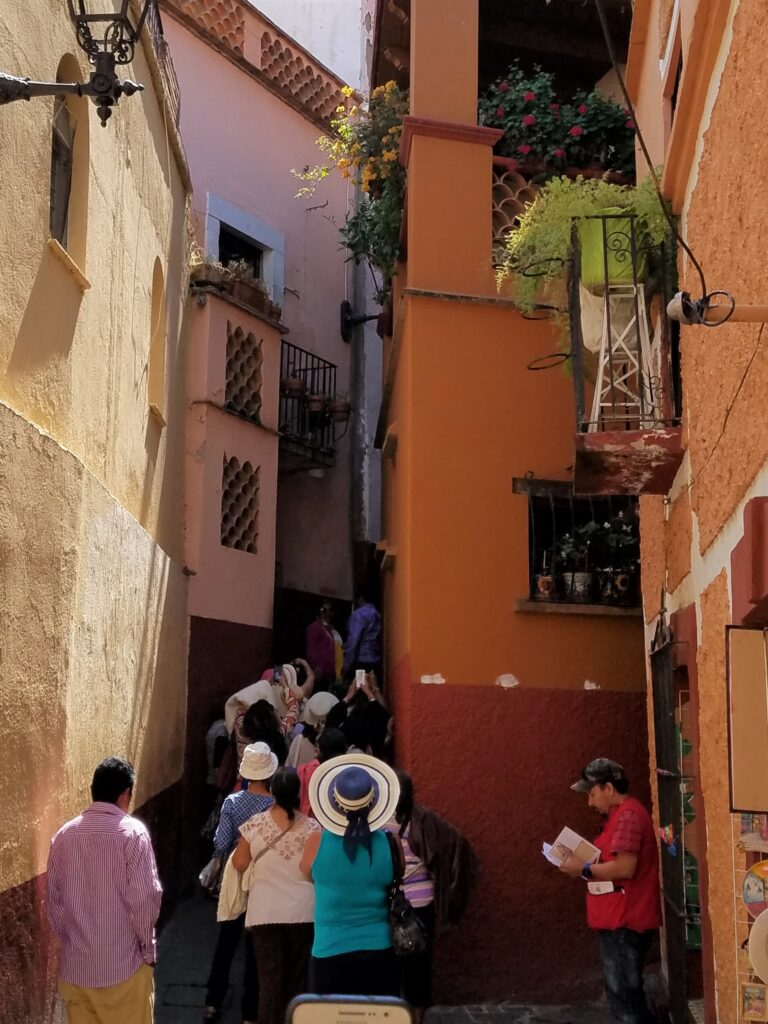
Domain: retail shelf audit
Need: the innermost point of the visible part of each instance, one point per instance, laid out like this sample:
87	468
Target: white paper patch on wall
589	685
507	681
436	679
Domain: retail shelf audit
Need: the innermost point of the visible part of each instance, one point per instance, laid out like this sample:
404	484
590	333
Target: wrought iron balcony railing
307	386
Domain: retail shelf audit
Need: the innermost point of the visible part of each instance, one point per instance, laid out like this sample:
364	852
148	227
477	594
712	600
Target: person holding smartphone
351	864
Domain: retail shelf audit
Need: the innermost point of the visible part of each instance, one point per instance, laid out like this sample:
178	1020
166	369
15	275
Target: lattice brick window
298	79
224	19
510	195
244	359
240	505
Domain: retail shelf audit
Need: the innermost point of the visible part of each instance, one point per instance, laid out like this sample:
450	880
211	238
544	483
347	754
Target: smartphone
360	678
311	1009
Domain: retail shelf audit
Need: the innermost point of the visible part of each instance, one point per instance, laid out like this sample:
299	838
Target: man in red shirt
626	911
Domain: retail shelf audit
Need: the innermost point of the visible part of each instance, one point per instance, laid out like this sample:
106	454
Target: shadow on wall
45	336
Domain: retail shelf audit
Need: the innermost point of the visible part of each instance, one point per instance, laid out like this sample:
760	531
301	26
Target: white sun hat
317	707
366	782
258	762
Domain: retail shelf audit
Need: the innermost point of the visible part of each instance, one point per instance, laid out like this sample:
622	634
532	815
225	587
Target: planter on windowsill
315	403
339	410
250	293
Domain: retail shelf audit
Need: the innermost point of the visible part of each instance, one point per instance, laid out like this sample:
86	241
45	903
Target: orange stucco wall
713	162
470	418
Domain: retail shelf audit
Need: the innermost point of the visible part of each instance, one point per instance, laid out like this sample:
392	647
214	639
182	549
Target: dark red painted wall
223	658
498	764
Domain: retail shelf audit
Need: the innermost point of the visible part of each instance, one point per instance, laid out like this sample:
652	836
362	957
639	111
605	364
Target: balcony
313	417
162	50
625	360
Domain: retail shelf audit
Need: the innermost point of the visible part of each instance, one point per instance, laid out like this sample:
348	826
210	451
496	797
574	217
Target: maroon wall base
27	960
223	658
498	764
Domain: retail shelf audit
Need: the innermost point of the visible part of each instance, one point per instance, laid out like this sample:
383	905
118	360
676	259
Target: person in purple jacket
363	646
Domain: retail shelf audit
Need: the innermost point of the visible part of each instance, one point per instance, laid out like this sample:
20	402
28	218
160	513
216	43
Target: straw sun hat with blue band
352	796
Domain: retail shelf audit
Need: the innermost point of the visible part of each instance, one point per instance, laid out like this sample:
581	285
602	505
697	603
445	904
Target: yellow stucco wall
93	607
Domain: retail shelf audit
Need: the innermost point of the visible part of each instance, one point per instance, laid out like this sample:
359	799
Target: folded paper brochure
570	843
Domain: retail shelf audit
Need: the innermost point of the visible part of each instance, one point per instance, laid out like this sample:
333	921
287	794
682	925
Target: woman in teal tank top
351	866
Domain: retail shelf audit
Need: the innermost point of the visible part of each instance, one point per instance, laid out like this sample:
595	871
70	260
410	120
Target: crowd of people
310	818
321	858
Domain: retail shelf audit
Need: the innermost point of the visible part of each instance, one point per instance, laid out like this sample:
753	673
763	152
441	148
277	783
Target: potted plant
364	148
292	385
543	239
573	552
315	403
619	555
339	408
588	134
544	582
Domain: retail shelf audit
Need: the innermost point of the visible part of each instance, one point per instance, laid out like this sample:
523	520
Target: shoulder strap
396	852
273	842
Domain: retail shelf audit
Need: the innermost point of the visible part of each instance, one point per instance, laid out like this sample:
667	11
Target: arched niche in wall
70	166
157	346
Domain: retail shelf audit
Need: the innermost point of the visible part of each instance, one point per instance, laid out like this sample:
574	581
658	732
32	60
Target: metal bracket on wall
348	320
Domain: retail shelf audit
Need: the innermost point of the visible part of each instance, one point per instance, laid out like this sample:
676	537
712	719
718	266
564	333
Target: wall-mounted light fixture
108	35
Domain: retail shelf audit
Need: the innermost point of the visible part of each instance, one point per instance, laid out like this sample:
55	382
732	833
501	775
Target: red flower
528	120
500	112
528	96
503	87
524	149
582	108
576	131
630	123
559	152
554	106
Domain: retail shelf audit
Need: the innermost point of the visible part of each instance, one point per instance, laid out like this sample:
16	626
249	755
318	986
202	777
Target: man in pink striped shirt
103	902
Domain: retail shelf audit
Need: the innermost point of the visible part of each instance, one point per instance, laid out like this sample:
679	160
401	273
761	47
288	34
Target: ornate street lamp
106	32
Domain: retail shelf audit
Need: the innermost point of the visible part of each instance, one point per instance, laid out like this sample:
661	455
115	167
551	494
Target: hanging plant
537	250
364	148
546	136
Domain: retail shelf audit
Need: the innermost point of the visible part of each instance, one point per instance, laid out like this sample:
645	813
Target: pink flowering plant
544	133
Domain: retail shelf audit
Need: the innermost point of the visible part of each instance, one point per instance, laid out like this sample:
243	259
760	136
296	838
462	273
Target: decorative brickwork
510	195
244	359
223	19
240	505
298	78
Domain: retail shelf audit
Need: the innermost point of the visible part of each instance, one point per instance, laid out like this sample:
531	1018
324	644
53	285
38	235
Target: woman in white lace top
281	902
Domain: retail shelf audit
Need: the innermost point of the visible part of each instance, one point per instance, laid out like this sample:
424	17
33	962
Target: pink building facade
268	474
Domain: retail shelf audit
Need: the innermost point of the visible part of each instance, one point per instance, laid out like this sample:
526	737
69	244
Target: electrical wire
656	183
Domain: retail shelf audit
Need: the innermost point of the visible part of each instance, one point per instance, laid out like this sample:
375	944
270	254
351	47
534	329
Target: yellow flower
365	187
347	90
340	110
354	111
390	155
390	86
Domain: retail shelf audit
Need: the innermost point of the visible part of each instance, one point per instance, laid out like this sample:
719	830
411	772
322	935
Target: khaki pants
130	1002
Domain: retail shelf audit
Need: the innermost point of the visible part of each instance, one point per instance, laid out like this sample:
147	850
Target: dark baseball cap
598	773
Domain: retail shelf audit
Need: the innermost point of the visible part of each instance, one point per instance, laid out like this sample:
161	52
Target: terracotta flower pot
315	403
293	386
339	410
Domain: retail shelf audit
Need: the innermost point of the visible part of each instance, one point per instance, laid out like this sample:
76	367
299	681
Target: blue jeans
623	953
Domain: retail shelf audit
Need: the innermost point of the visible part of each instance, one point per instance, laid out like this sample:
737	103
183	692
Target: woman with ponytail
280	901
351	864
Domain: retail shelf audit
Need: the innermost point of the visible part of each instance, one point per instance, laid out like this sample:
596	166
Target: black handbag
409	936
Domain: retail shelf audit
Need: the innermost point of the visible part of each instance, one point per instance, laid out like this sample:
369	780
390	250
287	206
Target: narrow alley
384	509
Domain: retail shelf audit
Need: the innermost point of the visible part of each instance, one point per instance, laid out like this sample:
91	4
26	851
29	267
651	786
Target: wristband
586	871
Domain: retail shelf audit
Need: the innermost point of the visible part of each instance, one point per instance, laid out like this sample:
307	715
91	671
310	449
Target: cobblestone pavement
184	957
